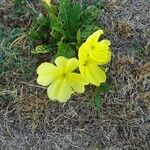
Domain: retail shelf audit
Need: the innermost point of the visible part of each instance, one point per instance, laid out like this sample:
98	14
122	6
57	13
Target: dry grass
28	120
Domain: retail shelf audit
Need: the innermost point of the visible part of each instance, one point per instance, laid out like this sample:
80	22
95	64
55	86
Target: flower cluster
62	79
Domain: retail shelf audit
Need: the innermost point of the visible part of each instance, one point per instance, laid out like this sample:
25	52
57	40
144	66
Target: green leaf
19	2
104	87
54	22
57	26
79	37
64	6
65	50
42	20
85	33
90	15
74	18
69	15
42	49
52	10
97	101
33	34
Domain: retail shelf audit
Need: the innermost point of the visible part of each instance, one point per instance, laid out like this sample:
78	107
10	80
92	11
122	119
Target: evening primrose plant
63	79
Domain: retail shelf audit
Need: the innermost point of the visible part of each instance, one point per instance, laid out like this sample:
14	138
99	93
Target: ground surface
28	120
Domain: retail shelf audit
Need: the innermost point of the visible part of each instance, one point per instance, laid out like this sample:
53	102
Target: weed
97	98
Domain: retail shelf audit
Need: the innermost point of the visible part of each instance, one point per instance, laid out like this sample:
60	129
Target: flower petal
59	90
61	61
52	90
95	75
83	53
101	53
72	64
101	57
104	45
77	82
64	91
44	80
45	68
47	72
95	36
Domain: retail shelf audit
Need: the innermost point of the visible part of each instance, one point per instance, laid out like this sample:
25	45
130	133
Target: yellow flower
98	50
48	2
61	79
89	67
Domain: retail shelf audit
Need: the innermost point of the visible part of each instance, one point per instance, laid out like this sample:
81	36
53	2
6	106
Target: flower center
92	47
85	63
64	75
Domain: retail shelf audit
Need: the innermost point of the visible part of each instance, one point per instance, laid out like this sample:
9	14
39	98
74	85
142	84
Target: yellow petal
82	69
59	90
95	75
109	56
83	54
72	64
66	65
95	36
47	73
77	82
45	68
52	90
104	45
89	76
61	61
101	52
44	80
64	92
101	57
